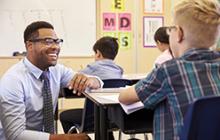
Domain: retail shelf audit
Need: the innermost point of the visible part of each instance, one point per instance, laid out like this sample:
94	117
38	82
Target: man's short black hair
31	30
161	35
108	46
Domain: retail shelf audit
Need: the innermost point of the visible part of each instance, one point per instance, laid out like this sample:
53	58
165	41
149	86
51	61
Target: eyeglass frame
48	41
169	29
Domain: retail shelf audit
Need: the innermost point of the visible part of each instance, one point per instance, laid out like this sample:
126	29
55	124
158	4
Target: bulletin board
151	24
73	20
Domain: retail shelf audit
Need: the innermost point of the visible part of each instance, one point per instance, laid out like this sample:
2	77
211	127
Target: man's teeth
52	54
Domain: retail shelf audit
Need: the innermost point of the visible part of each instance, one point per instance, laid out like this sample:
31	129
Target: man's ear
180	34
28	45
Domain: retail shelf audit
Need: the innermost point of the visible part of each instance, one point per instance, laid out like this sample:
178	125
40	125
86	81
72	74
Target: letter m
109	21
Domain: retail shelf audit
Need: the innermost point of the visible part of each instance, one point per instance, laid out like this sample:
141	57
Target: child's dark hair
108	46
161	35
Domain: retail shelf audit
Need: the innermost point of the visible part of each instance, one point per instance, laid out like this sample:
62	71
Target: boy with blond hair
194	73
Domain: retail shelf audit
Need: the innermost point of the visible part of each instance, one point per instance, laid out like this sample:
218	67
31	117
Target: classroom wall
126	58
137	59
63	15
147	56
76	63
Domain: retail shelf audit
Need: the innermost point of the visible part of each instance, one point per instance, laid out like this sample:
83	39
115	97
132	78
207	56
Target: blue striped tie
48	120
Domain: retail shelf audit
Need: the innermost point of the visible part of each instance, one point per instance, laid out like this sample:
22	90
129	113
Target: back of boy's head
108	47
200	20
161	35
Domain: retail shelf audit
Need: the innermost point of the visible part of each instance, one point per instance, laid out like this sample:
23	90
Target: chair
140	121
115	83
202	120
87	114
137	122
56	113
65	92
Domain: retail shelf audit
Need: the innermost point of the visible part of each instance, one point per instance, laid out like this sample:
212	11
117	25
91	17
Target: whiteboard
73	20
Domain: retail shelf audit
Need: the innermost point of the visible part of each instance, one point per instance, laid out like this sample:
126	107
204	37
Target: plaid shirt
170	88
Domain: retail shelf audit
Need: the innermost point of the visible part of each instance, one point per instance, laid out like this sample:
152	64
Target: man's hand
81	136
80	82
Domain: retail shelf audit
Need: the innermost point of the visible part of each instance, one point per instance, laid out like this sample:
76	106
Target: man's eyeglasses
169	29
48	41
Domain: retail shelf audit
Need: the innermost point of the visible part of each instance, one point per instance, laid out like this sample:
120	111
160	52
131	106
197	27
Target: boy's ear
180	34
99	54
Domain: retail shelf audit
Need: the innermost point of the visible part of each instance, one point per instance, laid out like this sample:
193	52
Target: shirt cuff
33	135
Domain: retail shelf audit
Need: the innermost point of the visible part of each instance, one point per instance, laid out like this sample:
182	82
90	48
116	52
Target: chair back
88	111
140	121
202	120
115	83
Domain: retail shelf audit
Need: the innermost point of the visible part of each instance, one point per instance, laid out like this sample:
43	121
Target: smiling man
29	90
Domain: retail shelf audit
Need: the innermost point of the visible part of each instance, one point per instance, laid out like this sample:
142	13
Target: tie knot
44	75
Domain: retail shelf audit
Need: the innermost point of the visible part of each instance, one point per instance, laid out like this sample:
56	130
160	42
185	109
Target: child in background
106	49
162	41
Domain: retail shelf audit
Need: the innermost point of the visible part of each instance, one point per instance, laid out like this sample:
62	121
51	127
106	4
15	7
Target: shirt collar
200	54
32	68
106	60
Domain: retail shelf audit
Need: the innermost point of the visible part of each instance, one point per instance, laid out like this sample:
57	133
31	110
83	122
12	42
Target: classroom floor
124	136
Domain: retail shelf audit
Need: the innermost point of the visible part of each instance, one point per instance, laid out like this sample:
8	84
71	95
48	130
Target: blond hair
200	19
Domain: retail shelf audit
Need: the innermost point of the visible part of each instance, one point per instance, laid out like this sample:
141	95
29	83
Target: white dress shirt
21	99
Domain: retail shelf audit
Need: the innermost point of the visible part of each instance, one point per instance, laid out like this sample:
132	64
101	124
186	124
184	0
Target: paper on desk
127	108
112	98
107	90
132	107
